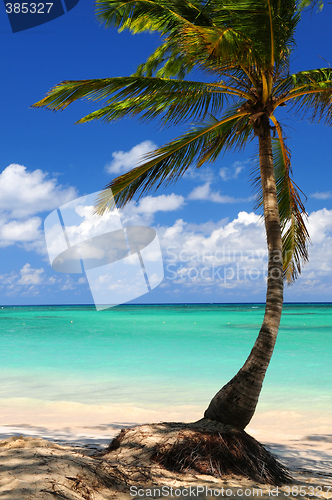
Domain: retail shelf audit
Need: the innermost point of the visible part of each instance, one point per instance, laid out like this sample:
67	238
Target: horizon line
158	304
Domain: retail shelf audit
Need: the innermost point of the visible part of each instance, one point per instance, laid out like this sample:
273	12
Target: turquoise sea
161	355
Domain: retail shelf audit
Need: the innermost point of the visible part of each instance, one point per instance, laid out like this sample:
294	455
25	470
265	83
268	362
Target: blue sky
47	160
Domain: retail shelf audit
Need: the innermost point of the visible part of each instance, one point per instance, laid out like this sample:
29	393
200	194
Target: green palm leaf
149	15
255	31
295	236
147	97
166	61
168	163
308	93
247	43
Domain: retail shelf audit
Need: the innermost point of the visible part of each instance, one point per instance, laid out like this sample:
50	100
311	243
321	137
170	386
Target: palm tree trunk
236	402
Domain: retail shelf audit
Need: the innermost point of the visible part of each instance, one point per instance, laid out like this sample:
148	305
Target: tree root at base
203	447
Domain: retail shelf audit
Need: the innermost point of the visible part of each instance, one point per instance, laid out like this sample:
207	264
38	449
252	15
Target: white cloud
200	192
236	239
31	281
24	282
8	279
204	192
123	161
319	225
204	174
142	213
162	203
217	259
19	231
209	174
24	193
88	225
322	195
30	276
228	173
231	258
68	285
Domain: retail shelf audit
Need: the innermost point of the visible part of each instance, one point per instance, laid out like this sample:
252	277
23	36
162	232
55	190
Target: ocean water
161	355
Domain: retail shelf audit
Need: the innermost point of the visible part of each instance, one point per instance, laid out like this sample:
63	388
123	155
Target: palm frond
165	62
149	15
295	236
145	97
308	93
310	4
213	33
168	163
268	26
216	47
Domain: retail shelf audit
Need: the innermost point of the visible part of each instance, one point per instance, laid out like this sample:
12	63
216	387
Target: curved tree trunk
235	403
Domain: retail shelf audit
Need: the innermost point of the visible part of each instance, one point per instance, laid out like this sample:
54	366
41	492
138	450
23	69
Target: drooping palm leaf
295	236
168	163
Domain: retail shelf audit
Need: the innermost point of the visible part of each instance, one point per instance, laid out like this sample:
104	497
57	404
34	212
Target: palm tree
243	47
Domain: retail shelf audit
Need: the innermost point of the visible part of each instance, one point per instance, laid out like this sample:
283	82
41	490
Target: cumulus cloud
206	259
320	225
204	192
30	281
243	235
19	231
143	212
315	281
23	194
227	258
230	257
162	203
82	223
123	161
30	276
24	282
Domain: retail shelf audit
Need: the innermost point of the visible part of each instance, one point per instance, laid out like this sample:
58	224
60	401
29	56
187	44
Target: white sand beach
49	451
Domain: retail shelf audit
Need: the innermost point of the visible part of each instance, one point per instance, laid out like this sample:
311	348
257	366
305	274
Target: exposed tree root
220	455
204	447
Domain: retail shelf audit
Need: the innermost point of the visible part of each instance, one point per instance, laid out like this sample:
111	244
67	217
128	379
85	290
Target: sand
34	467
